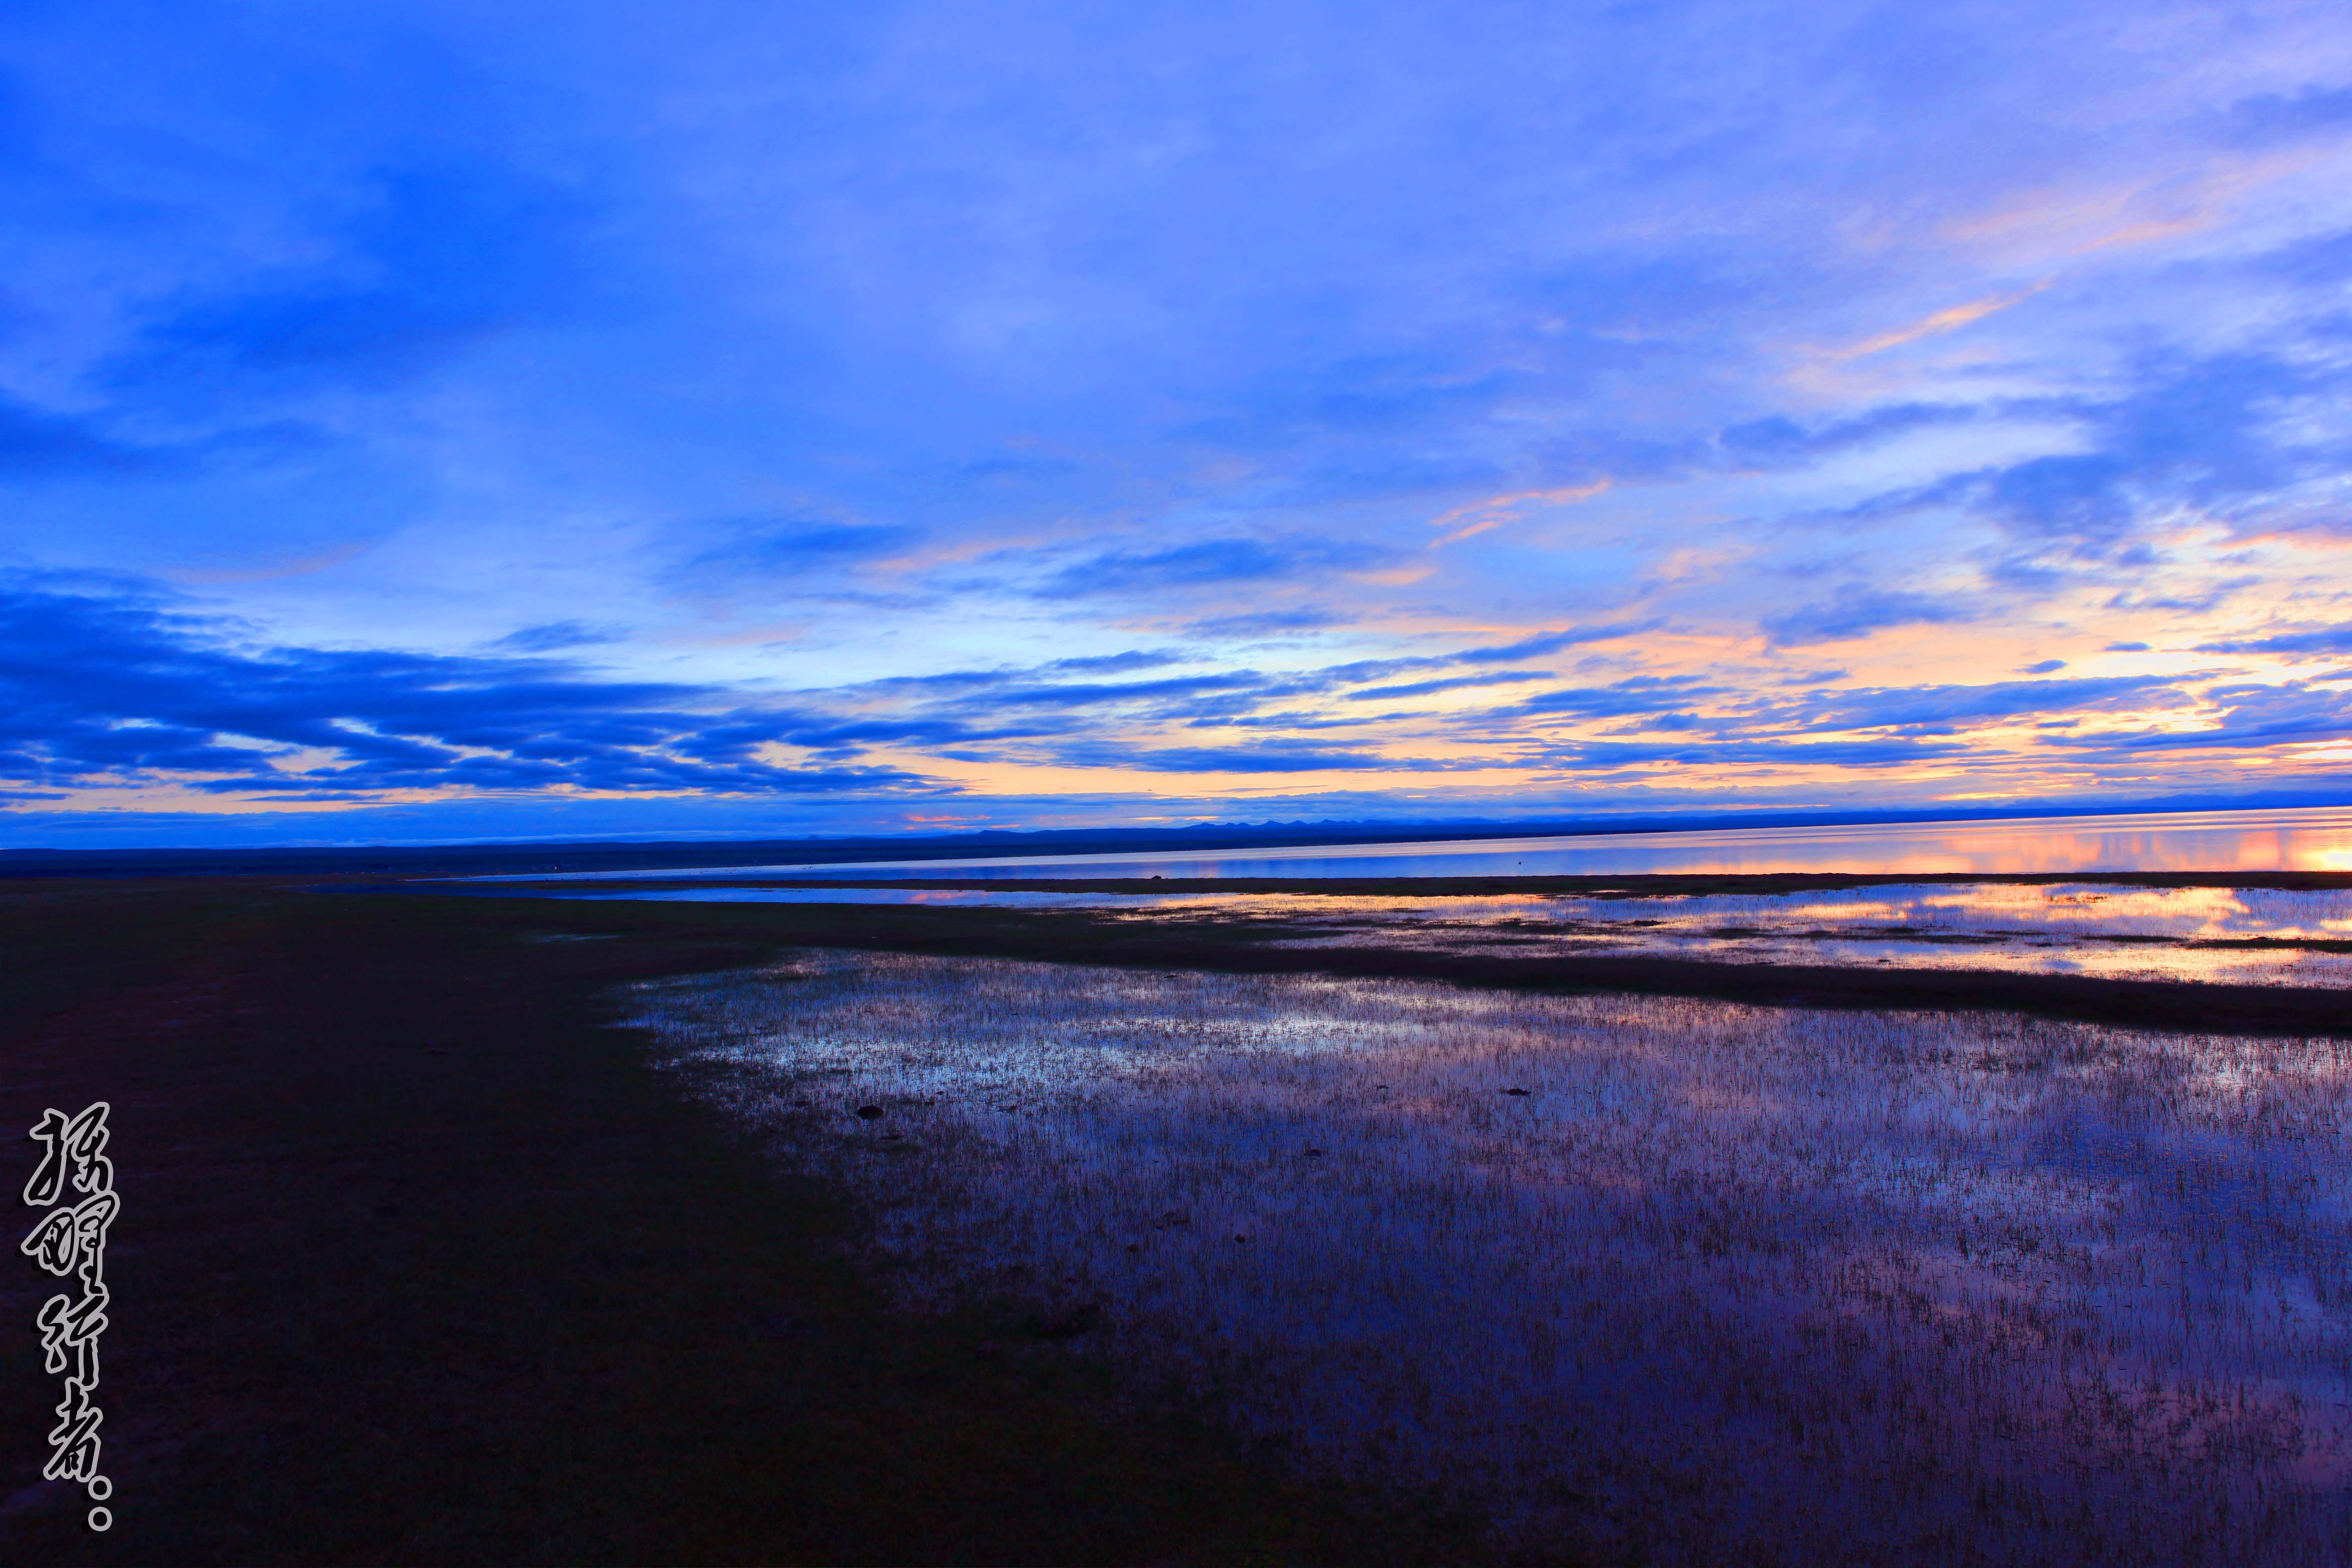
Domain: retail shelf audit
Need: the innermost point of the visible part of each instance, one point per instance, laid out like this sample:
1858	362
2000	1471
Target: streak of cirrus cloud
428	419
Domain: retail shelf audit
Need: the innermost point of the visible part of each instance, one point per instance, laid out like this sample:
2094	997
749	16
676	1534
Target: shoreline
1247	946
1660	884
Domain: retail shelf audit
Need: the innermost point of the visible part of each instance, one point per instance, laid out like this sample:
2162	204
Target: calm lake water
2314	838
1700	1282
2237	935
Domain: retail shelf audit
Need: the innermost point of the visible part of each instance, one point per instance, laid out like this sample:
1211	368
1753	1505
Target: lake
2243	935
2308	839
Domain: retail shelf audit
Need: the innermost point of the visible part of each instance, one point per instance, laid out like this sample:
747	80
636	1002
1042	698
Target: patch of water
2248	936
2311	838
1694	1279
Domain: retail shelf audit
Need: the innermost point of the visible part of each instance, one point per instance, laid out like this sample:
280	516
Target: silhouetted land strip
1245	944
1759	885
420	1261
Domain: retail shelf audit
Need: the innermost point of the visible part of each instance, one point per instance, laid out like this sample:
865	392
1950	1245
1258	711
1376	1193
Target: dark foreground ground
421	1263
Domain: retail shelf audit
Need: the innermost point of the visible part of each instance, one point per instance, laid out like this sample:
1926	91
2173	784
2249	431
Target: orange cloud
2076	224
1947	320
1394	575
1477	517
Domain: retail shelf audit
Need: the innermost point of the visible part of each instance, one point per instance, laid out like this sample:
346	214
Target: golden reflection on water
2117	932
2196	934
2314	839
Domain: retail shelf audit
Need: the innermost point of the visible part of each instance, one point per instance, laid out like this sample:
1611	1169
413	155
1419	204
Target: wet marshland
1678	1278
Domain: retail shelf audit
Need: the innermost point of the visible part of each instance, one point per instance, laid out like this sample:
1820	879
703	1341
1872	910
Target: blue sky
440	420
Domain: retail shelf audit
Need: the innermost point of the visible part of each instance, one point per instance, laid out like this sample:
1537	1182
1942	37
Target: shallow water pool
1708	1281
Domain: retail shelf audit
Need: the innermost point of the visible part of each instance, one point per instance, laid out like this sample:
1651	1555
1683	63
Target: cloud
1950	319
554	636
1456	683
1261	757
2204	431
37	444
1268	622
1779	440
2076	499
1024	688
1477	517
771	549
2044	668
1871	707
1857	611
2250	716
424	261
2319	261
1119	663
1298	720
1889	752
2266	118
1898	505
1639	694
1543	643
1209	563
109	684
2207	431
2321	640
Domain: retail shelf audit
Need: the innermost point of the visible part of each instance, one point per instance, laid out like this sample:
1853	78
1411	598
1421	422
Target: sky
509	421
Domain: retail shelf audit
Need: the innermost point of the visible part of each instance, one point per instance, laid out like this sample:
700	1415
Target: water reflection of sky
2310	839
1720	1283
2065	928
